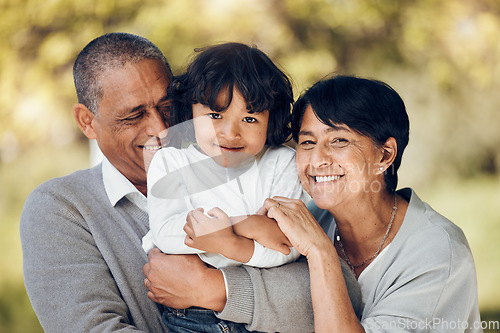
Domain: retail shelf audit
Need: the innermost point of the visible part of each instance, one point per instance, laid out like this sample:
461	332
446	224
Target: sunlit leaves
448	46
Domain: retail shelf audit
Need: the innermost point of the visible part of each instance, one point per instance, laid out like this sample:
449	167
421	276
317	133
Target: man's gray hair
108	52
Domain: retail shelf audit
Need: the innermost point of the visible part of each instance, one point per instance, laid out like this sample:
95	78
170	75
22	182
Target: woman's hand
333	311
297	223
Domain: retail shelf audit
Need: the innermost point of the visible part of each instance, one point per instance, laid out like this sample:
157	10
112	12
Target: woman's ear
84	118
389	152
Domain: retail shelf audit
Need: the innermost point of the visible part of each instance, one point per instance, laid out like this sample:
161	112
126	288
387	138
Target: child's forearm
245	225
263	230
240	249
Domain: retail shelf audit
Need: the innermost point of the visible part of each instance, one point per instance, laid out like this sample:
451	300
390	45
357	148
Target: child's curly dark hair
221	68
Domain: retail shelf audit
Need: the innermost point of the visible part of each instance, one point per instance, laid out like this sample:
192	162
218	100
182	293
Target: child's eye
249	120
215	115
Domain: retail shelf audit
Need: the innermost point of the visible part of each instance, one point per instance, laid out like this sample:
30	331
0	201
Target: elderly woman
414	266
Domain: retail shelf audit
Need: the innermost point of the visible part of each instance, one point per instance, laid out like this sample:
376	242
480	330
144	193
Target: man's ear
84	117
389	152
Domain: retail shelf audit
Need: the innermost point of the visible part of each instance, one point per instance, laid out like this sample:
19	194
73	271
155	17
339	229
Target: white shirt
181	180
118	186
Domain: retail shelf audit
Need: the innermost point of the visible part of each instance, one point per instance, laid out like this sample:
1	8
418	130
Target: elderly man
82	233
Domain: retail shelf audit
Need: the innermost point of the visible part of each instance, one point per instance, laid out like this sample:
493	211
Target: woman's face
336	164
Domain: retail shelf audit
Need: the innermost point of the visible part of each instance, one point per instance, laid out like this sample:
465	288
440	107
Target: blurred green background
442	56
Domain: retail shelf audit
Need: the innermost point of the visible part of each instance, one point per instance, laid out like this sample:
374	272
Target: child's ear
389	152
84	118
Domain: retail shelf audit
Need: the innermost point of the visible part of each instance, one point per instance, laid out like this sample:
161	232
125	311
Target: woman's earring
381	168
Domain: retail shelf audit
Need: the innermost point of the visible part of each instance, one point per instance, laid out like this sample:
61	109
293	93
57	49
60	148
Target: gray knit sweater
83	258
83	264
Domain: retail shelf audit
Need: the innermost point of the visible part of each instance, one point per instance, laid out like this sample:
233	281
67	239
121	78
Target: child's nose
230	129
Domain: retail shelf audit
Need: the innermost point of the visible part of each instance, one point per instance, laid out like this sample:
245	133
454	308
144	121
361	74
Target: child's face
232	136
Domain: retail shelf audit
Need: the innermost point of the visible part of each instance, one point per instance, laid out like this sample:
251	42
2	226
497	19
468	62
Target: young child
238	104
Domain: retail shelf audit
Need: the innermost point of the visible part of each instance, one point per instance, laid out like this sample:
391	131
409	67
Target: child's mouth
230	149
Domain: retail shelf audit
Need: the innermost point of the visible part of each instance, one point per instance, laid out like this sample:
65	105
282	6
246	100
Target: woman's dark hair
219	69
370	107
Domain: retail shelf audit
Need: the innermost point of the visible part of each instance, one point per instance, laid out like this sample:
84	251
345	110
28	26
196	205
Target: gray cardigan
426	280
83	264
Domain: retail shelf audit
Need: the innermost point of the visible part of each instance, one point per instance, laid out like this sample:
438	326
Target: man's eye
249	120
214	115
135	117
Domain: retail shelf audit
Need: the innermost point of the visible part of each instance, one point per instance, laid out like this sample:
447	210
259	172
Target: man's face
128	127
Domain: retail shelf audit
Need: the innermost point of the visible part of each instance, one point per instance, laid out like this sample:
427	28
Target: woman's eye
215	115
249	120
306	144
339	142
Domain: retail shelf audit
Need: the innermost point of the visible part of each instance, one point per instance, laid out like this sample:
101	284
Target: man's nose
155	125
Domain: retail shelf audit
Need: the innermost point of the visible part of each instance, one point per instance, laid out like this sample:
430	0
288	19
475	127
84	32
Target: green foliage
473	205
442	56
446	51
18	178
15	316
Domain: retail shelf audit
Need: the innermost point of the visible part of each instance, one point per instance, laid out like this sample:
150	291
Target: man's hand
214	233
182	281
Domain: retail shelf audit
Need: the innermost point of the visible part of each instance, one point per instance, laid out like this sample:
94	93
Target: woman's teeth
322	179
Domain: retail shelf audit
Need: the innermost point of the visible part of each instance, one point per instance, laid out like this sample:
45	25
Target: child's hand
214	233
264	230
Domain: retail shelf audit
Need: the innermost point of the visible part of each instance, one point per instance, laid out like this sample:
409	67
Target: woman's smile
323	179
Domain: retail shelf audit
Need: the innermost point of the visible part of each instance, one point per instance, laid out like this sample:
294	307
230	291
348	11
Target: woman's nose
321	157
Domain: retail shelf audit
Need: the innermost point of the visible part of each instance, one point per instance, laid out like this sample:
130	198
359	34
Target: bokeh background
442	56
